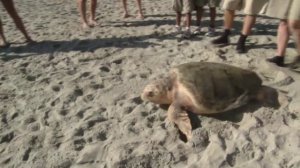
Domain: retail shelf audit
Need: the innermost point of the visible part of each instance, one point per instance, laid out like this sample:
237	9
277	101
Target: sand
73	99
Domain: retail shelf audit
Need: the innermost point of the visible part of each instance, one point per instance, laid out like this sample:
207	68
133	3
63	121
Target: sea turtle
202	88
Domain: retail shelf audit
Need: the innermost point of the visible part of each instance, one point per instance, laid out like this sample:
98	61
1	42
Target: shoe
178	30
222	40
296	64
187	34
278	60
241	48
211	32
197	31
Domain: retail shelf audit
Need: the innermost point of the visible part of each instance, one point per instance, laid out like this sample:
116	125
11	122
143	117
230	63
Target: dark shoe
278	60
241	48
222	40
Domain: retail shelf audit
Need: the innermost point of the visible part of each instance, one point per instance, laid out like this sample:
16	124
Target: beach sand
73	98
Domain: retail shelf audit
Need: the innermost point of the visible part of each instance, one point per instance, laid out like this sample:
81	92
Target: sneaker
187	34
178	29
222	40
241	48
211	32
278	60
197	31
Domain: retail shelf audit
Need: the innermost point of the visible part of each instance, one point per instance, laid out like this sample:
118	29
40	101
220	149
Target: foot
4	45
241	48
92	23
126	15
197	31
187	34
211	32
140	16
85	26
278	60
222	40
178	30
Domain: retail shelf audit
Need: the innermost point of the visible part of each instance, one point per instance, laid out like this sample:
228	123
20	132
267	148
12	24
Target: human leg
140	15
10	8
82	10
249	21
228	23
126	14
199	12
92	20
3	42
282	40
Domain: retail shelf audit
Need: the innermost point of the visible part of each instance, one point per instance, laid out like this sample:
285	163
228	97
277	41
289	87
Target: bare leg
140	15
181	119
178	19
282	40
249	21
10	8
199	16
228	23
82	11
92	20
295	29
228	19
282	37
126	14
3	42
188	18
212	13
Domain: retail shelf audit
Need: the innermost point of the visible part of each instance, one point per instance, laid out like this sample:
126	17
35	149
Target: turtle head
157	92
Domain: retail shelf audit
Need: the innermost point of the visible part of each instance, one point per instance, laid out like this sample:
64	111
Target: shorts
250	7
294	10
278	8
210	3
183	6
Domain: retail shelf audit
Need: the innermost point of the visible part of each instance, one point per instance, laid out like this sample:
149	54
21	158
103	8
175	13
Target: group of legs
10	8
93	3
186	7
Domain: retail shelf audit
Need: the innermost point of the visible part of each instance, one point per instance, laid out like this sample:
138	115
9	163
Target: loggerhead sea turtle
203	88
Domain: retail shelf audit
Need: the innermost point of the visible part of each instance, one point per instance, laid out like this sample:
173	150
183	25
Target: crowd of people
287	11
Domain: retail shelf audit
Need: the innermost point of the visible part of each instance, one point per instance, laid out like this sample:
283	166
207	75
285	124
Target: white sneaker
178	29
187	34
211	32
197	31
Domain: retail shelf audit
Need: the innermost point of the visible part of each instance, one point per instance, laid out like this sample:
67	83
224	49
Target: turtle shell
217	87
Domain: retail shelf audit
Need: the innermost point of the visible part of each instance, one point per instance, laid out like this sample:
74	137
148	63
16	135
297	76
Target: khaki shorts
251	7
210	3
183	6
295	10
278	8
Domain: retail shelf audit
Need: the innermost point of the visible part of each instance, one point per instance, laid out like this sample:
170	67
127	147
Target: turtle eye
150	94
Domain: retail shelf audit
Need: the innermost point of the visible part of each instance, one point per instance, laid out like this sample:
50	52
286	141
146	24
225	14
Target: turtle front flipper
181	118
